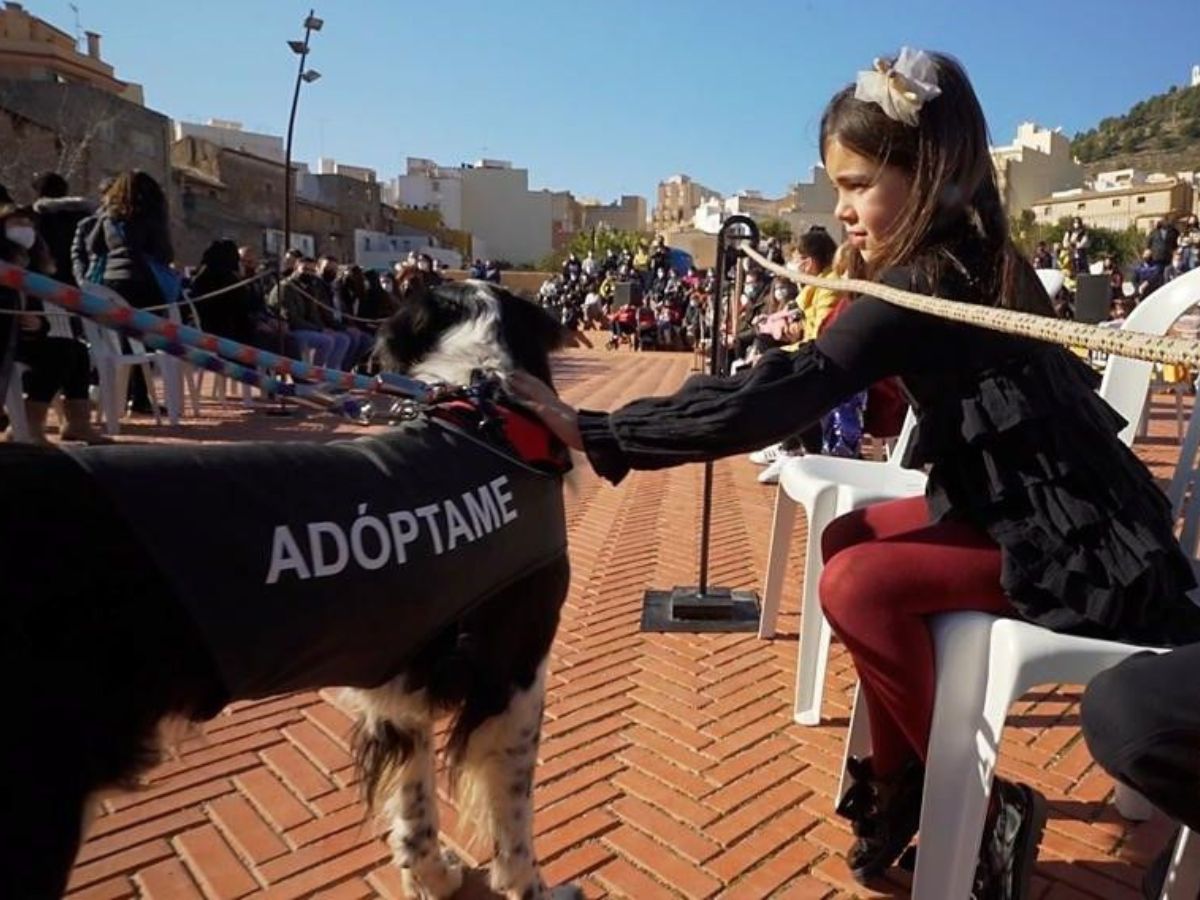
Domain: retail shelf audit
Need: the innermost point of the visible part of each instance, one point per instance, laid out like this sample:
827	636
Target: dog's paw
438	879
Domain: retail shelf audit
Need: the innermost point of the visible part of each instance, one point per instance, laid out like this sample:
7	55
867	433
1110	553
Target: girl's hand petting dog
541	400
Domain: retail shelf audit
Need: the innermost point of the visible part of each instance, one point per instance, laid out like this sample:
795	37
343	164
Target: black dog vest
309	565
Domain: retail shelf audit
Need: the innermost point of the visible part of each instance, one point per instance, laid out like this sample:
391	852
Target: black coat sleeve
711	417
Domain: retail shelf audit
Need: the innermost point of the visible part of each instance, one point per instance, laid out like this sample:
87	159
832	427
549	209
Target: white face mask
22	235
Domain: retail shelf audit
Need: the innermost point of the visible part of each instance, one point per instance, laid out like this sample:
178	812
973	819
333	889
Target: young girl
1034	506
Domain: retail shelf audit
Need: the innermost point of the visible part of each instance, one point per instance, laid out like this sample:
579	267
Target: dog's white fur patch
469	346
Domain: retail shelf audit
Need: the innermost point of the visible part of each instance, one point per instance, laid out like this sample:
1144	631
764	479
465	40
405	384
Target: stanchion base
686	609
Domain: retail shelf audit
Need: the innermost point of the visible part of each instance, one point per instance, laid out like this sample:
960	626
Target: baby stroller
624	324
646	335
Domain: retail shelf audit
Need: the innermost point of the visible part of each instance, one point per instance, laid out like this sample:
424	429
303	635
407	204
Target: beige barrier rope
325	306
1134	344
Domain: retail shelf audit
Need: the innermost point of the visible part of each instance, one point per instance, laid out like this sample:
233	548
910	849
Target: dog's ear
413	331
530	334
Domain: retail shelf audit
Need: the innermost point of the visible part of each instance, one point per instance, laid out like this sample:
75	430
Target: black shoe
884	813
1156	874
1010	843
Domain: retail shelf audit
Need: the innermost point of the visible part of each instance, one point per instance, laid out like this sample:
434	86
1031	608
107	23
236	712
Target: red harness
520	431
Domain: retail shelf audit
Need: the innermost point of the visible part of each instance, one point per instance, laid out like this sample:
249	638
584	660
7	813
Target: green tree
597	241
776	228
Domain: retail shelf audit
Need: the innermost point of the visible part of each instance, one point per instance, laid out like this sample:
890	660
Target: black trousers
55	364
1141	720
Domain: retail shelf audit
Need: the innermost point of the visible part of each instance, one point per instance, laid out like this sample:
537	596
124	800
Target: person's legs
319	341
887	568
341	346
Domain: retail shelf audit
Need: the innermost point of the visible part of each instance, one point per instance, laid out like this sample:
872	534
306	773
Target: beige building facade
1036	164
32	49
626	214
507	220
676	202
1138	205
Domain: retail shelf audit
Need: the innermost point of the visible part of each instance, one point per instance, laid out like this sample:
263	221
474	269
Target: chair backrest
1126	381
896	454
1184	489
1052	280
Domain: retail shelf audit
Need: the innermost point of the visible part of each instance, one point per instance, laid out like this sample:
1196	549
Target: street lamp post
300	48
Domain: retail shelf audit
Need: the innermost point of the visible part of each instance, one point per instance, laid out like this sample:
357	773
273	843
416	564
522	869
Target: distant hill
1161	134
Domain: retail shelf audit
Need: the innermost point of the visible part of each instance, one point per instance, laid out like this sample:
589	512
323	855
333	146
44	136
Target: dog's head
448	331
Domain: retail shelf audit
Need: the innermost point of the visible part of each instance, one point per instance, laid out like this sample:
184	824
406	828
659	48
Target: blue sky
604	98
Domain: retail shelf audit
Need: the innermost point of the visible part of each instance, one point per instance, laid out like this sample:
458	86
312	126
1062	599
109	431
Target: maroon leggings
887	568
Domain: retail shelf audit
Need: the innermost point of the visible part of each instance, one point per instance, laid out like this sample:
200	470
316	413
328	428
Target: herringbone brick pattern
670	765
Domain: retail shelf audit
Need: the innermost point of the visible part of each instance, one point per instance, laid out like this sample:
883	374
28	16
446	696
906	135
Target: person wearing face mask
45	343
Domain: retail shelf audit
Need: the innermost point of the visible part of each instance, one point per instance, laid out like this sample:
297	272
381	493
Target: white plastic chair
829	487
984	664
1052	280
826	487
14	404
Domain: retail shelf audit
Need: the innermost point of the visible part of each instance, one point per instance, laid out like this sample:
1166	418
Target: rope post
704	607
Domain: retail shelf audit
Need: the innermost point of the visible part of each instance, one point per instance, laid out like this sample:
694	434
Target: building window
1048	210
1141	199
1116	203
1081	206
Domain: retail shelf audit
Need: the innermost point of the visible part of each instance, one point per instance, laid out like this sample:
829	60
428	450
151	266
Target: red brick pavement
670	765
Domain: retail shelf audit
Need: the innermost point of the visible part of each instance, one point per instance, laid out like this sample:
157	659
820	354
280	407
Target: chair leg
1183	878
151	392
1131	805
777	553
113	388
812	653
973	694
858	739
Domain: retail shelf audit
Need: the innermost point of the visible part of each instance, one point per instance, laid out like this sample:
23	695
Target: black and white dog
121	609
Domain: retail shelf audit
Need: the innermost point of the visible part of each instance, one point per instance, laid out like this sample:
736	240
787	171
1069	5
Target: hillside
1161	133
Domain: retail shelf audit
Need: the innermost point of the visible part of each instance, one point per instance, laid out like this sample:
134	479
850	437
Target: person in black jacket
228	314
1034	507
127	247
58	218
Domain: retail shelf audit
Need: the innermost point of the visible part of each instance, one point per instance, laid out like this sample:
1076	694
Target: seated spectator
290	298
229	314
349	287
268	330
56	359
1189	241
1177	266
1147	276
1042	257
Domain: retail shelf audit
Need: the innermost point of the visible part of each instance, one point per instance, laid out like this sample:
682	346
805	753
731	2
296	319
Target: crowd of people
1170	250
300	306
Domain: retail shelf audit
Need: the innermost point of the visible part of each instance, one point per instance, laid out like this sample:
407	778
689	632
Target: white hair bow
900	88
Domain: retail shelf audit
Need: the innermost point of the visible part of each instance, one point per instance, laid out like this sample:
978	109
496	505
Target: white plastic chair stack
984	664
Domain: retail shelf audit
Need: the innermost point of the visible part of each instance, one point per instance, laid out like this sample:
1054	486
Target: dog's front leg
413	813
395	752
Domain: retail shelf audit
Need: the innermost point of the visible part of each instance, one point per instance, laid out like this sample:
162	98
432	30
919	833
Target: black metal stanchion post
704	607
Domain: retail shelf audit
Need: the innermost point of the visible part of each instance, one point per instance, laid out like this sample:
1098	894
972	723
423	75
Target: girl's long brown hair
135	195
946	156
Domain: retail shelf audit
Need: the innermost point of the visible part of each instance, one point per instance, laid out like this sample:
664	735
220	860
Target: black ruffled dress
1015	439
